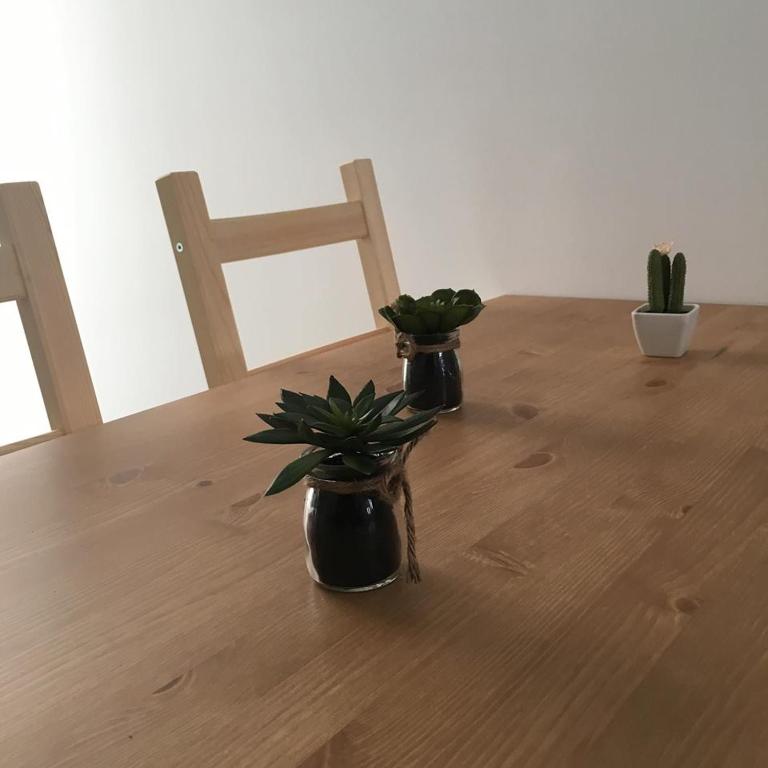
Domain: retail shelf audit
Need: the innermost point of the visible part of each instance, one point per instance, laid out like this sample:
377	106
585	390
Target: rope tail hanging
414	574
401	478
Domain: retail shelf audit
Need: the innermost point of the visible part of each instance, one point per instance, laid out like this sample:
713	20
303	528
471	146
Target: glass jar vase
353	543
434	373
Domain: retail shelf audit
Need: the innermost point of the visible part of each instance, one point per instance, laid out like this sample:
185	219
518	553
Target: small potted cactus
427	337
665	325
355	471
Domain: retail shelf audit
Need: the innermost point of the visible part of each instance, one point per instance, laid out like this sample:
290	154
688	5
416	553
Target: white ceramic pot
663	334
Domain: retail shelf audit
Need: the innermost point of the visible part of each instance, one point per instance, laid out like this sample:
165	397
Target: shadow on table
492	416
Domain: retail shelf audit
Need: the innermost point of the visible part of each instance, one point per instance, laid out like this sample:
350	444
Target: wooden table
593	531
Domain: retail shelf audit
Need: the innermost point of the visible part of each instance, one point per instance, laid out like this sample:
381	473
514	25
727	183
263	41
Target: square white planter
662	334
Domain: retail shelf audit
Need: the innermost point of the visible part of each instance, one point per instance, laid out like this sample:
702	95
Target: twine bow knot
407	348
404	346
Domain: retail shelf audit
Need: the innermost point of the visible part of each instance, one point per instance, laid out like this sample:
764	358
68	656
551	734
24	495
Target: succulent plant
442	311
350	435
666	282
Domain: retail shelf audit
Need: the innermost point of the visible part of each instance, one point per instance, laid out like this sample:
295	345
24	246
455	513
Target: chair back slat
201	245
247	237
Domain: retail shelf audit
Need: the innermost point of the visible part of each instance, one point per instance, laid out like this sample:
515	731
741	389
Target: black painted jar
435	374
353	543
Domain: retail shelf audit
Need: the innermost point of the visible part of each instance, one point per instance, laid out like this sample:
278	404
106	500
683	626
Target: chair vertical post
46	312
202	277
374	249
11	282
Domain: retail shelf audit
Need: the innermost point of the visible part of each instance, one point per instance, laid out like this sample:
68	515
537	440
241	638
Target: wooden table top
593	536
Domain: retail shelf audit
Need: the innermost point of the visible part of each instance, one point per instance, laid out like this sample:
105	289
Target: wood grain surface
593	536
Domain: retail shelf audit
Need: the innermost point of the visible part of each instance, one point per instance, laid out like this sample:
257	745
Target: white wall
528	147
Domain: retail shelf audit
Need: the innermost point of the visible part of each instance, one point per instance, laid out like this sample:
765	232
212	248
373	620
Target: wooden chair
202	245
30	275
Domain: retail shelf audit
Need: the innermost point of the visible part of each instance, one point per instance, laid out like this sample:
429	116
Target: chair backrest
202	245
30	275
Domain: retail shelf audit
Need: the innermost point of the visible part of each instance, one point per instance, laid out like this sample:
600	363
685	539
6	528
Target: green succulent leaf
292	404
364	400
403	303
311	438
394	406
389	315
474	313
392	442
336	390
453	318
402	434
290	418
328	428
410	324
444	295
432	320
369	390
406	425
380	403
273	420
276	437
362	409
296	470
293	401
318	402
467	296
404	402
369	427
324	414
339	409
363	464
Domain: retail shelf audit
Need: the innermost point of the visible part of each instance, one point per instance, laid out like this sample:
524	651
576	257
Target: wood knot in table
525	411
682	511
167	686
125	475
656	383
687	605
204	483
498	558
538	459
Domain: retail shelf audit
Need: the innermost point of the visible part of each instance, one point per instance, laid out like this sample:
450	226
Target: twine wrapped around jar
407	348
389	485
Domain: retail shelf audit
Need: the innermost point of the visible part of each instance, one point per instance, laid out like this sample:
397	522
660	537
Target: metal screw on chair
179	248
